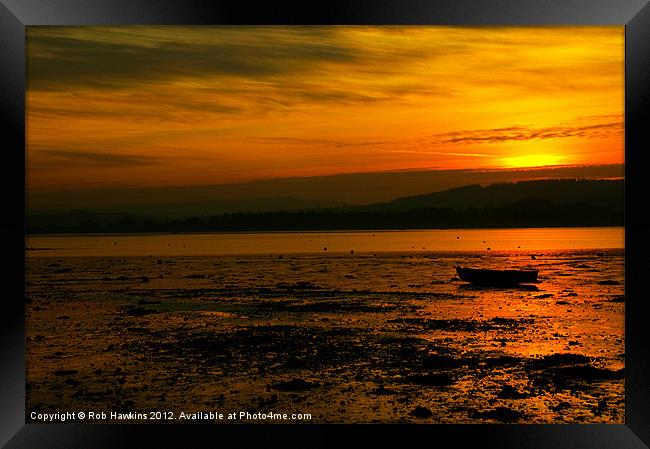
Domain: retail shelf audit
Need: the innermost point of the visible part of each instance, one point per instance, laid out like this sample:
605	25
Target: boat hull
481	276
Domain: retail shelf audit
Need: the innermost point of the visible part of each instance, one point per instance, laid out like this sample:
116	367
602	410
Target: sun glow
533	160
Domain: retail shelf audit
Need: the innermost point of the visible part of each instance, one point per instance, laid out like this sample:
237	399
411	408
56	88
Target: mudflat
346	337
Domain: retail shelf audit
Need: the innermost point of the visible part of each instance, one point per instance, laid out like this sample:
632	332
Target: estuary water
213	244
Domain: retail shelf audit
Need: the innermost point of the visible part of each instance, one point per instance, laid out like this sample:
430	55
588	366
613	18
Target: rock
65	372
543	296
382	390
421	412
510	392
295	362
589	372
608	282
561	406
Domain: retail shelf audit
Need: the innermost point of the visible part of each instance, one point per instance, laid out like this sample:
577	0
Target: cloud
67	58
63	158
437	153
129	106
247	71
320	142
515	133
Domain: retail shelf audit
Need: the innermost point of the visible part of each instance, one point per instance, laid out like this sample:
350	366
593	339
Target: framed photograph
285	222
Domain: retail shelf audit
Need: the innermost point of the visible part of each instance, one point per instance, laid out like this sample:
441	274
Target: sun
533	160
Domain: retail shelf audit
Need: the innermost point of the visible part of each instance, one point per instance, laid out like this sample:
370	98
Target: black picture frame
15	15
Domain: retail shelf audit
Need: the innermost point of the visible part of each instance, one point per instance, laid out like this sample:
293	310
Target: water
212	244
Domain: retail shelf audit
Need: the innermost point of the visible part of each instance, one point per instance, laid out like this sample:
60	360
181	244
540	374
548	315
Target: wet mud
349	338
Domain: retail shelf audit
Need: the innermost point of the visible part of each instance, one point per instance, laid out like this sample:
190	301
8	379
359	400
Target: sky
156	107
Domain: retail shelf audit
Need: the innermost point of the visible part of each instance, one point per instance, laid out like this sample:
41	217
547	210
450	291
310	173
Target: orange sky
172	106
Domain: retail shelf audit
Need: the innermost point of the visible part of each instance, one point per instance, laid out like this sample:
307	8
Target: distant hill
77	218
166	211
182	209
548	203
608	193
351	188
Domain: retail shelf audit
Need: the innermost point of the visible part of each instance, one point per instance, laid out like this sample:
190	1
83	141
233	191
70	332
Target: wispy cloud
515	133
321	142
95	57
436	153
65	158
